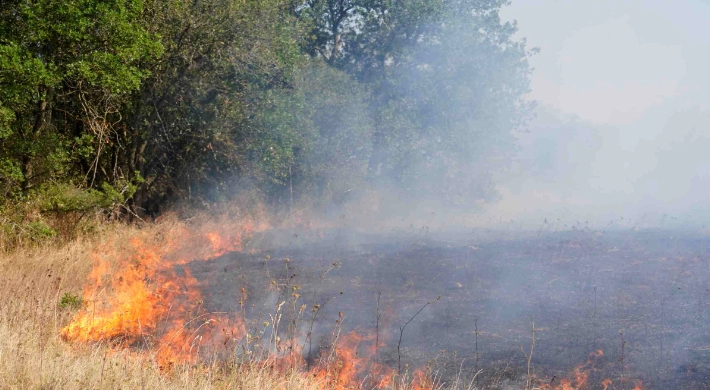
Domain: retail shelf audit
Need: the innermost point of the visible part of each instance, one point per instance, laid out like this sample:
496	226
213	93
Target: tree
316	140
447	81
65	70
154	96
188	130
150	101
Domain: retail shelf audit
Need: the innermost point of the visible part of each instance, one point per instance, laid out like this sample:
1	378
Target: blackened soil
582	290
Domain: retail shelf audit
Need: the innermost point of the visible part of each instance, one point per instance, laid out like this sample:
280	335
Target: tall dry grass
33	355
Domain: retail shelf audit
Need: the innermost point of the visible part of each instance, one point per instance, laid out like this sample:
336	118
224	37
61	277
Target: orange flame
579	377
350	363
606	383
421	381
144	293
355	365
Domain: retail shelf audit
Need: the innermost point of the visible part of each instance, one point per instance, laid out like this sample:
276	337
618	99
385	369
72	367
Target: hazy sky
610	60
636	71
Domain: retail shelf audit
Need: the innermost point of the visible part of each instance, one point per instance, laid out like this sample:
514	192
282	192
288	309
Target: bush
70	301
58	212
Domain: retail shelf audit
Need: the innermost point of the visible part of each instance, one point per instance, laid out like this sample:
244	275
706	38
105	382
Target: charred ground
581	288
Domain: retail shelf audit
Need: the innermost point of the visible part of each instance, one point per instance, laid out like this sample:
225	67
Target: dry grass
33	356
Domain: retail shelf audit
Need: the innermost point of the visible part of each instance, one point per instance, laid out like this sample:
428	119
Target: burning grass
125	311
34	324
135	318
141	293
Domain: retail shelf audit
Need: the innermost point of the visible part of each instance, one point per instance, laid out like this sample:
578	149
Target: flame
421	381
351	363
579	377
355	365
606	383
144	294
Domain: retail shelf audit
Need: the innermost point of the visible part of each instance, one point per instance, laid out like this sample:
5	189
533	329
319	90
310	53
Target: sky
624	93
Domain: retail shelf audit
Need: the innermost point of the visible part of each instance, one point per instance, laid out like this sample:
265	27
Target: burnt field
640	297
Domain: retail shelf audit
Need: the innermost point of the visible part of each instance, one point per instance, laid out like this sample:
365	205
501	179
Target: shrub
70	301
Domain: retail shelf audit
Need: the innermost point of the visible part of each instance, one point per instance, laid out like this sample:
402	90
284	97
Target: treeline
134	104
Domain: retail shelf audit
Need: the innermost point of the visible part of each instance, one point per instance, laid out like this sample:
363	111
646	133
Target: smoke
618	139
621	132
575	171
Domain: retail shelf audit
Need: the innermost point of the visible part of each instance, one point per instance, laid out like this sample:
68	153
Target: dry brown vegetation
33	355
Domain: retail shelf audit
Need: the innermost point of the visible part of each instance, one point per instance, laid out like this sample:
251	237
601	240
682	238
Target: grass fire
354	195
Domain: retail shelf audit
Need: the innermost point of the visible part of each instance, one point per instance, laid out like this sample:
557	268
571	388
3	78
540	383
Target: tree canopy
140	103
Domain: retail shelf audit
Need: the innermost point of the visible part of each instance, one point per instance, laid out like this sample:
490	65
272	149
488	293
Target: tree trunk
27	170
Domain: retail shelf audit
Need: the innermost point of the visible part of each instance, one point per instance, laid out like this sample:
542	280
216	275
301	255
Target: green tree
316	140
65	70
145	102
189	129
